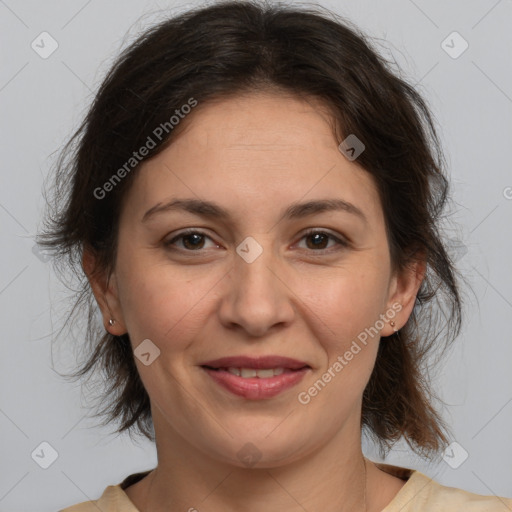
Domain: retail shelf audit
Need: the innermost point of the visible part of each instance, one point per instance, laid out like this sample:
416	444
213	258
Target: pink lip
256	388
256	362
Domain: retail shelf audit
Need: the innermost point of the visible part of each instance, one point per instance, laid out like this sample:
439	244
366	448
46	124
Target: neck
332	479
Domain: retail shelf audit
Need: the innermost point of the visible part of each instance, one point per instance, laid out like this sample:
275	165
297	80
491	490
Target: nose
258	295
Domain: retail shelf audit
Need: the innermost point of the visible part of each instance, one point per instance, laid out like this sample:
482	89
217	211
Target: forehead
261	118
262	150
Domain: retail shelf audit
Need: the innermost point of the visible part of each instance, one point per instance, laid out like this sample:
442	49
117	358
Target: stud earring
392	323
111	322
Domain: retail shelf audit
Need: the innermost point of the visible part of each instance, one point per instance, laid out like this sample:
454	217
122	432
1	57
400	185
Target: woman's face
251	282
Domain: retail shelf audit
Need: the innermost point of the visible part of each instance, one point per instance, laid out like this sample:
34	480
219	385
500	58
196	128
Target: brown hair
238	46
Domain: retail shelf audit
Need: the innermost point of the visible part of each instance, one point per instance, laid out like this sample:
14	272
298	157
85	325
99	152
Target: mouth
256	378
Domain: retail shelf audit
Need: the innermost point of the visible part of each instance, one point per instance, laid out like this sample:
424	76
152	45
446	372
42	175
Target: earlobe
104	288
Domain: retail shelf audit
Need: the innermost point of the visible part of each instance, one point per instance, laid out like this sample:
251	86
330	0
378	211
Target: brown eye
192	240
318	240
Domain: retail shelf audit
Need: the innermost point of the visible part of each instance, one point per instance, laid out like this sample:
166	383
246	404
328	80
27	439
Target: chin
260	450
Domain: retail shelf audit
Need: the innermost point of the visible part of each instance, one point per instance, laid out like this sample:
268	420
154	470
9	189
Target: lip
256	388
263	362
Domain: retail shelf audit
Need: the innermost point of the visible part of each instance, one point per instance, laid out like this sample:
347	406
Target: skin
255	155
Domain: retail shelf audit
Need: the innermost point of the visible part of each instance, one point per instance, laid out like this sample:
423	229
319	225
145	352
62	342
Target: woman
254	198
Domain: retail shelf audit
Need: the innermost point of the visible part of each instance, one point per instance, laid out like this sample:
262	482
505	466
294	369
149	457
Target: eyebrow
209	209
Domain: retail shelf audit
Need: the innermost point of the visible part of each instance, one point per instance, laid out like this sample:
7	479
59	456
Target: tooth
265	374
248	372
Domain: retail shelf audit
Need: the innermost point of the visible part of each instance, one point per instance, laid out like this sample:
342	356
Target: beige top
419	494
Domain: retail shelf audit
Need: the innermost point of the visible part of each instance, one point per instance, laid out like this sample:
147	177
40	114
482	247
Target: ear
404	287
104	288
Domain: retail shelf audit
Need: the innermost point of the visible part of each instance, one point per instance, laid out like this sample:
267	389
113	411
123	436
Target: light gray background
43	100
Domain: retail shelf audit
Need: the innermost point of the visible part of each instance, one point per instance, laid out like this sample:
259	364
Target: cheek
347	312
162	302
345	302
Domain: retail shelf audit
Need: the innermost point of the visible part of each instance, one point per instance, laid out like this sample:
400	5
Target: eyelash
340	242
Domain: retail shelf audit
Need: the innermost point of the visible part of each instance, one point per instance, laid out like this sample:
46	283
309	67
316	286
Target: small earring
392	323
111	322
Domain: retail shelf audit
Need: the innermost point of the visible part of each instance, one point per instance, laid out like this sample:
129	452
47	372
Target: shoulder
113	499
423	494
